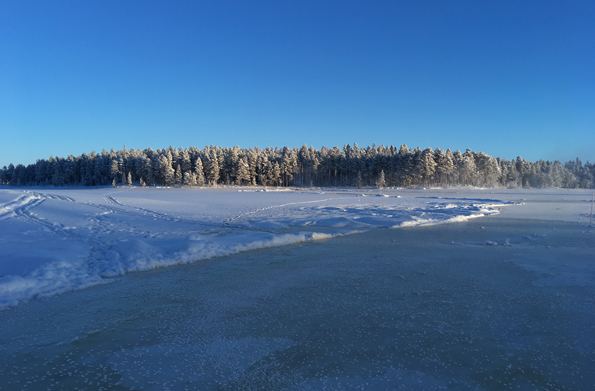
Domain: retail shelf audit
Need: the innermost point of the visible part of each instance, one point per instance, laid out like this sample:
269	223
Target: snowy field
300	289
58	240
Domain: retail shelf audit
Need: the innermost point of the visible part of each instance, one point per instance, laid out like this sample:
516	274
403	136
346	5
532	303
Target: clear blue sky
505	77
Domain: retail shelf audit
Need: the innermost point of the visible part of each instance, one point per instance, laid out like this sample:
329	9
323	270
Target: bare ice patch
206	366
392	379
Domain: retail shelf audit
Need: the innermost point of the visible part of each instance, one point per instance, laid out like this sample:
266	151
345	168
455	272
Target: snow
499	301
55	240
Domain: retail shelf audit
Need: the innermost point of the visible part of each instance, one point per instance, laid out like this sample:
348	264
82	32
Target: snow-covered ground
54	240
499	302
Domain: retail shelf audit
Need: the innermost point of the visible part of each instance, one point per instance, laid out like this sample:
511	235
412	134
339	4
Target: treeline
350	166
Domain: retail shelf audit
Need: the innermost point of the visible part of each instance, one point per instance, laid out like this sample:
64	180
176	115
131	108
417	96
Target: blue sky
505	77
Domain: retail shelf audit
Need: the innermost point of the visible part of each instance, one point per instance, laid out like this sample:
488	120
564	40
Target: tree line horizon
351	166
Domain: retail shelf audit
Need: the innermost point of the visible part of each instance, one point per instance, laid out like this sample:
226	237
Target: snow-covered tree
487	168
381	183
213	169
199	172
243	172
468	170
350	166
444	165
185	162
189	178
425	166
275	177
178	176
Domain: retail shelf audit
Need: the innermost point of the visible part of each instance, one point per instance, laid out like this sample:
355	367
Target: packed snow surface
55	240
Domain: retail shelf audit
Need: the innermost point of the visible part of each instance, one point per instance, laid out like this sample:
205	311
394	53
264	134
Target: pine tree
358	180
199	172
276	174
189	178
243	174
425	165
168	172
487	168
469	170
444	164
178	176
381	183
185	162
305	166
213	173
265	171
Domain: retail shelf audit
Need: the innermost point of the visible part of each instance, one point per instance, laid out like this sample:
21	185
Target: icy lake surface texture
311	289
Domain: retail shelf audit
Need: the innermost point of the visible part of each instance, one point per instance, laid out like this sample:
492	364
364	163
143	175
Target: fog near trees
351	166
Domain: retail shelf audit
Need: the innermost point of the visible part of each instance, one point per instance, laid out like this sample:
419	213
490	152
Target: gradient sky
505	77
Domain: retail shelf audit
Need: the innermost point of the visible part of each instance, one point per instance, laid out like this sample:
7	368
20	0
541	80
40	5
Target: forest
351	166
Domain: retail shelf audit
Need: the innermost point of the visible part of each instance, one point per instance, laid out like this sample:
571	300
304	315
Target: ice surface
500	302
175	365
421	308
55	240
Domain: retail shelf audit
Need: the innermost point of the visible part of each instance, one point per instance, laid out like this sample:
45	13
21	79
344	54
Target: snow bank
135	255
56	240
422	222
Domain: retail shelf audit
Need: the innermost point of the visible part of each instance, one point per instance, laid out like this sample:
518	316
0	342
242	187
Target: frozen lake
492	303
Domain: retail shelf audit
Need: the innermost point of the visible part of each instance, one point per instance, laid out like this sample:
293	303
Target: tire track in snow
98	238
112	200
29	200
280	206
125	210
25	214
116	206
50	196
22	202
